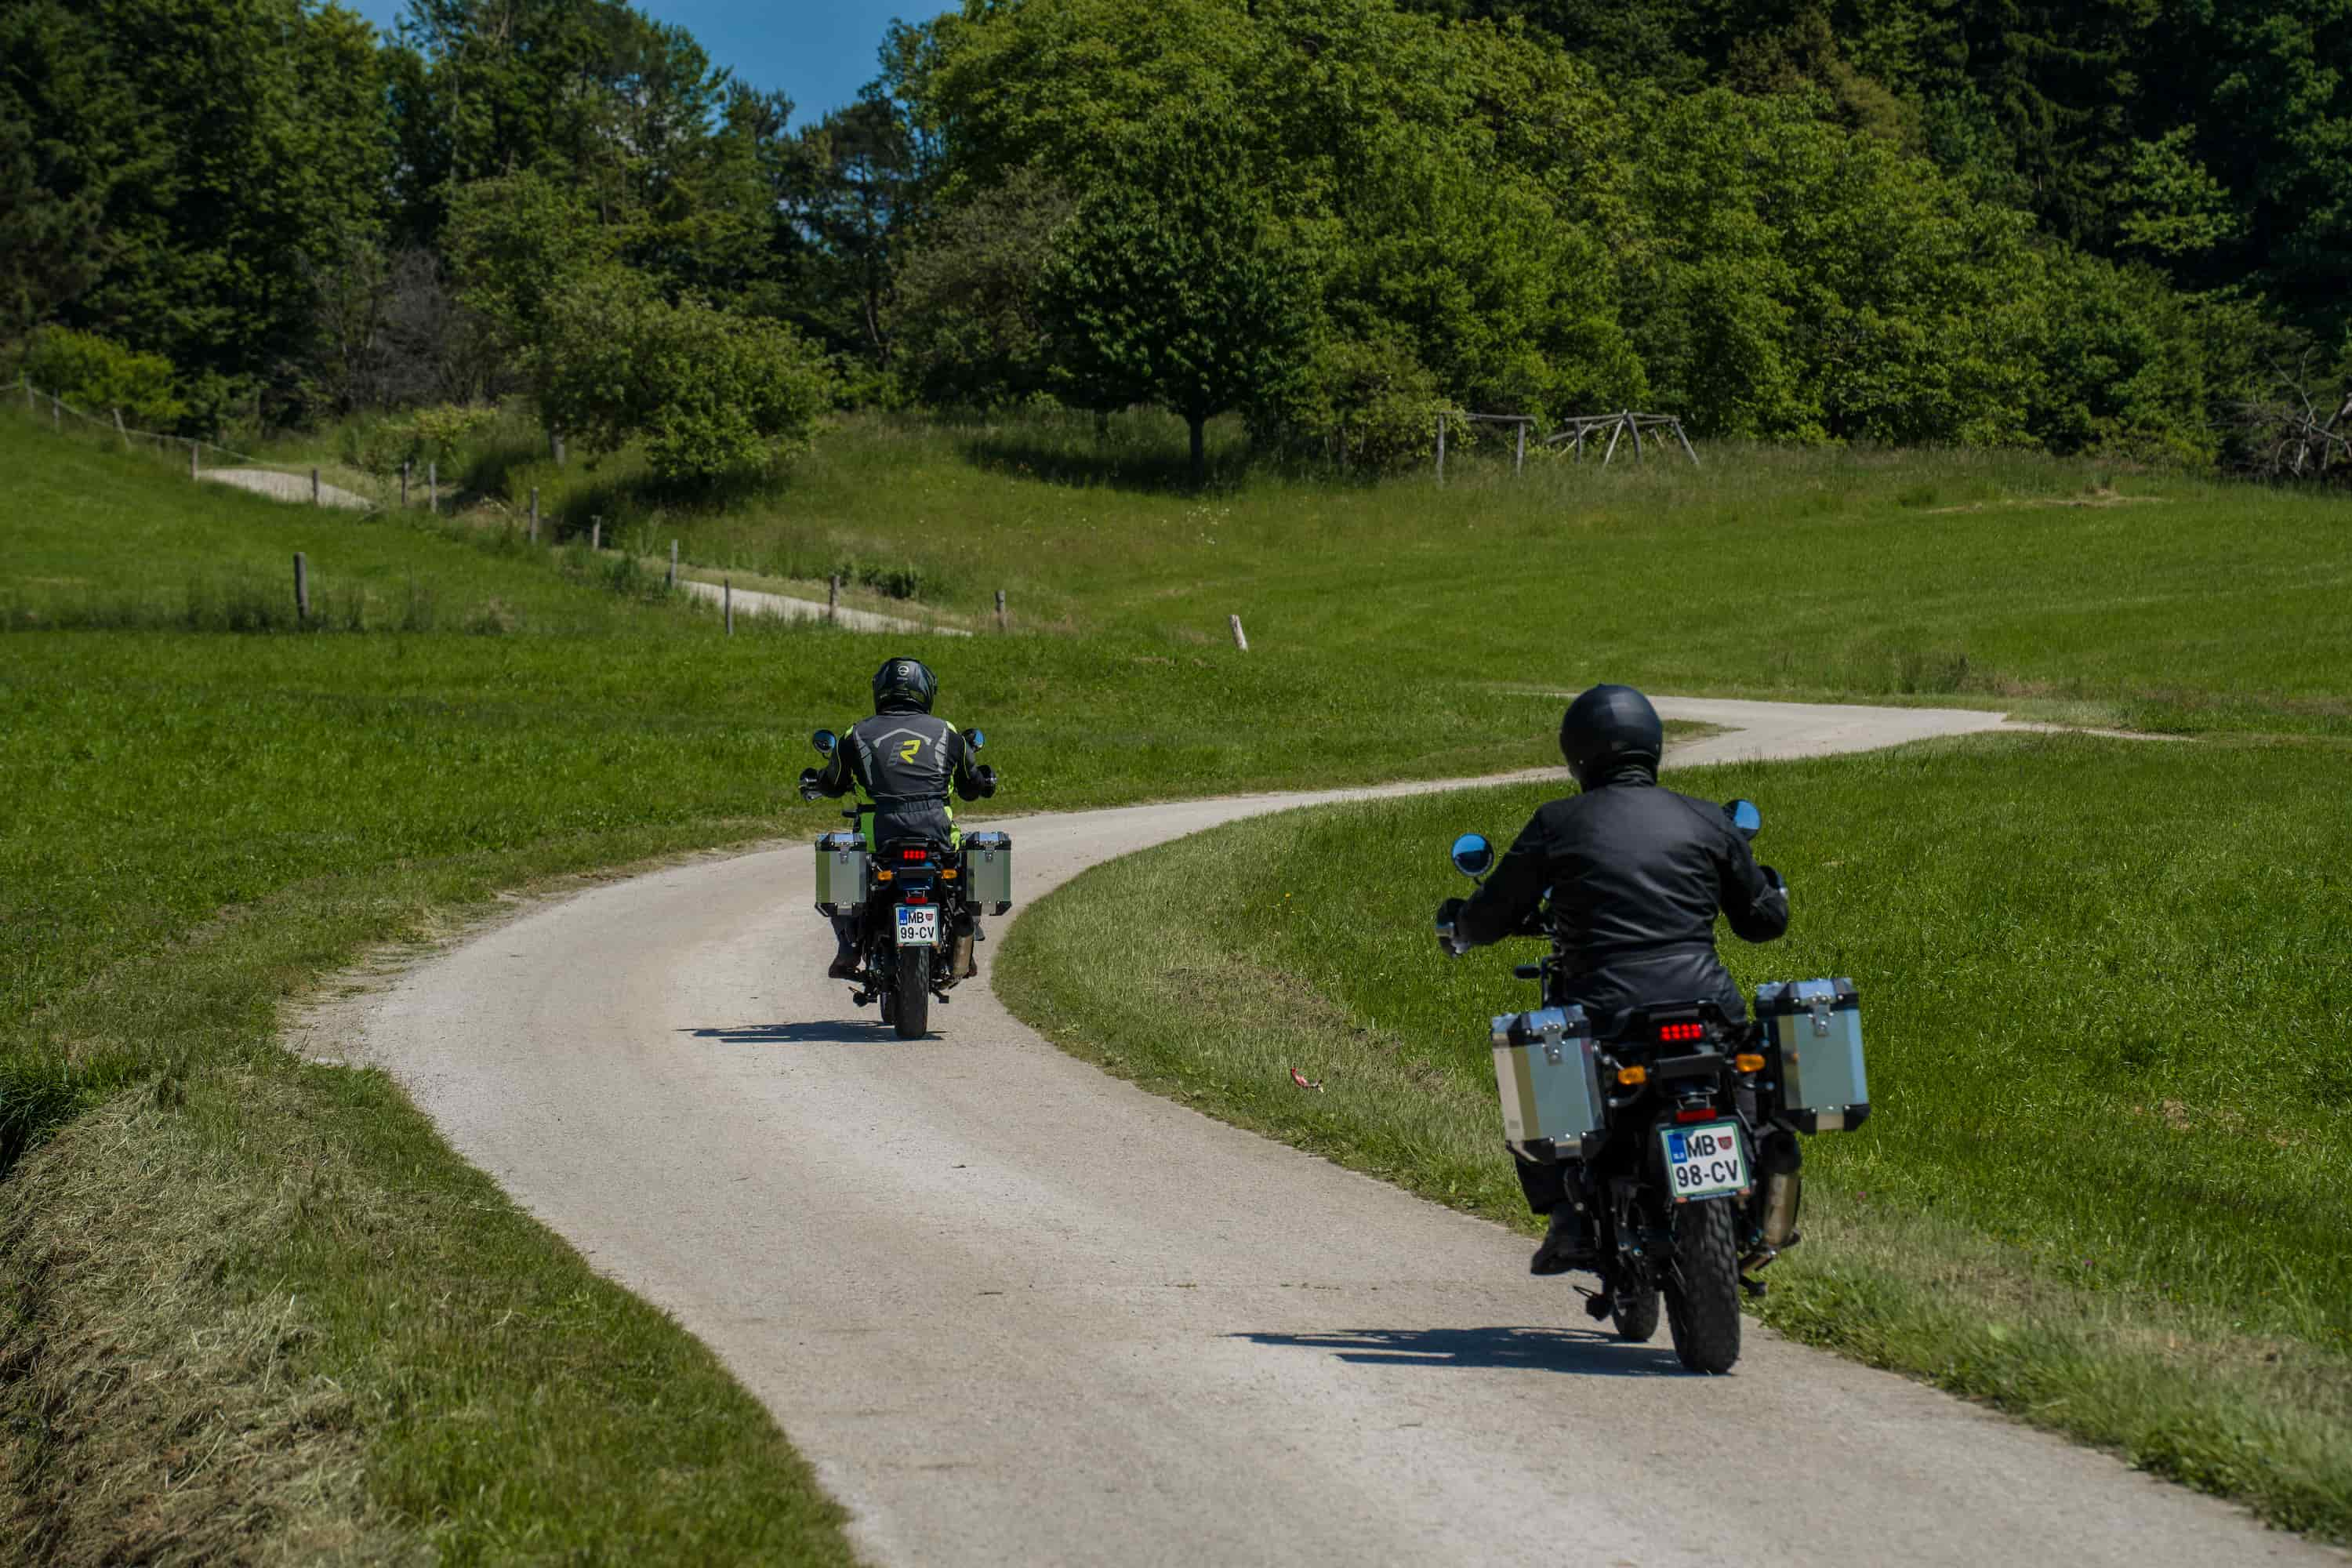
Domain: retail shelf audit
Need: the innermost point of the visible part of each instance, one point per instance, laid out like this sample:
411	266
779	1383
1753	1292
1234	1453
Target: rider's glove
985	777
1449	915
1774	878
808	783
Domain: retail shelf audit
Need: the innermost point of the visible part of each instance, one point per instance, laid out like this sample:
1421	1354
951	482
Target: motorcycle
1678	1129
916	900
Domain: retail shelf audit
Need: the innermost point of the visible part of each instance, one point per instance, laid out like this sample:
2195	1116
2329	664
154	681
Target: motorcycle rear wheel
1703	1290
912	1014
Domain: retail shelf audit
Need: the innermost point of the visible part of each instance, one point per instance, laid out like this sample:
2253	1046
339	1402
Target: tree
1174	284
965	322
711	393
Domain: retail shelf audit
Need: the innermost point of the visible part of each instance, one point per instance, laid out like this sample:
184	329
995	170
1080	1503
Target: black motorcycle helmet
903	683
1608	728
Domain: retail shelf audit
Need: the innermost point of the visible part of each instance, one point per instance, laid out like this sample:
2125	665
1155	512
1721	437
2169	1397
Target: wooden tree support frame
1579	428
1518	456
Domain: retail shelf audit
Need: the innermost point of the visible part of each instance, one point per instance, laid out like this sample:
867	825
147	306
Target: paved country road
1018	1311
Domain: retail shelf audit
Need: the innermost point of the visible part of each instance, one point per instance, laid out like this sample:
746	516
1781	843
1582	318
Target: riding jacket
1637	874
907	762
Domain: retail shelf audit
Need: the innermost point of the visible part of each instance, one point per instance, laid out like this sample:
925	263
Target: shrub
96	374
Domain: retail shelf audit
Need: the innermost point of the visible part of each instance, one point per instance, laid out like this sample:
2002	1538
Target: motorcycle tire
1703	1290
912	1014
1635	1315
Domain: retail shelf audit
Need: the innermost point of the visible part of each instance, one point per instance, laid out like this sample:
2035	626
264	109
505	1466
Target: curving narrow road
1017	1312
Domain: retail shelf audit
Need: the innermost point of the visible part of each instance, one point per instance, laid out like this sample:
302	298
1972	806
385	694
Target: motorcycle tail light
914	854
1632	1077
917	899
1749	1061
1677	1034
1696	1113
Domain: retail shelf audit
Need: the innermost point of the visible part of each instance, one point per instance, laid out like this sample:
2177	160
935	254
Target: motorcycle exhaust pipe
1783	1190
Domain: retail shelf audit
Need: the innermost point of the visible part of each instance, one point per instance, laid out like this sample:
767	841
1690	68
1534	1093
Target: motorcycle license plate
917	928
1705	1161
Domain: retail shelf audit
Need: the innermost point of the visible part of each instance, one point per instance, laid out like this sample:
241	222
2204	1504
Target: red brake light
1696	1113
914	854
1676	1034
916	898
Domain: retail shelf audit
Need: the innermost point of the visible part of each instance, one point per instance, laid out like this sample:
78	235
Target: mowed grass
2107	995
2080	591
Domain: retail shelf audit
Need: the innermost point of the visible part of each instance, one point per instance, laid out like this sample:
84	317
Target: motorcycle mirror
977	738
1473	856
1744	816
824	741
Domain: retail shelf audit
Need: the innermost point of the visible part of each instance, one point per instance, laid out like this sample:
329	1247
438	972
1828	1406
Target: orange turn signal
1632	1077
949	875
1749	1061
882	876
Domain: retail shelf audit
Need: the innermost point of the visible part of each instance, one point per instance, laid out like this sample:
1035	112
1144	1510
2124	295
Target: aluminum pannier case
840	872
1812	1047
1548	1070
988	870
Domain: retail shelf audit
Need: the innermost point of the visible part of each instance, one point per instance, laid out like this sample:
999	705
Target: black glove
1774	878
1449	915
808	783
985	777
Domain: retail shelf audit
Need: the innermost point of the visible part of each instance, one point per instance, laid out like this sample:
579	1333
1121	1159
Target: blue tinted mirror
1473	856
1744	816
824	741
977	738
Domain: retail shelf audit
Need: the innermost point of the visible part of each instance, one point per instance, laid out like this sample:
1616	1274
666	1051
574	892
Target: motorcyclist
1636	874
906	759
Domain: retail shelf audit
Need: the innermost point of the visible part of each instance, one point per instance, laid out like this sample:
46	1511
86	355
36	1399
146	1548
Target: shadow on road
829	1032
1585	1352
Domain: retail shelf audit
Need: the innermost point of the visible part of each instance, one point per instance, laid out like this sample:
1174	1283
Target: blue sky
819	51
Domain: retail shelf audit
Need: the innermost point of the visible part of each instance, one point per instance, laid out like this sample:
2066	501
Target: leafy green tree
965	322
1175	284
711	393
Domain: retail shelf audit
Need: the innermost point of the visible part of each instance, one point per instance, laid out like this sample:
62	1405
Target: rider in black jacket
906	761
1637	874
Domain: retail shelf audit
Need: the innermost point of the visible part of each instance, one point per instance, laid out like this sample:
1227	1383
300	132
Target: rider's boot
1566	1245
845	955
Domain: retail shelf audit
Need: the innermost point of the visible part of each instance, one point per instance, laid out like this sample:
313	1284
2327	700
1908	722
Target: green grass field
2138	599
2106	994
208	810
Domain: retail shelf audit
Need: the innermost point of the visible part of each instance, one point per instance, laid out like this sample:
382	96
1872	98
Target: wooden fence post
57	411
1441	448
833	598
30	405
672	566
404	483
302	590
1241	639
534	514
555	446
1519	460
1002	625
726	597
192	460
433	486
595	533
314	487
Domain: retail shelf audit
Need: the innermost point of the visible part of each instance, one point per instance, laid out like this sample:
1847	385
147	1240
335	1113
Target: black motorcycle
917	900
1661	1127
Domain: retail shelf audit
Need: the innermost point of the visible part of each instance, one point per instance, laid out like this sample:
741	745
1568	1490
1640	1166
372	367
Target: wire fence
241	468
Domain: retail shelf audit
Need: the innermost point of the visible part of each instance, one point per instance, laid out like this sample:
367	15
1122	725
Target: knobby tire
1703	1290
912	1014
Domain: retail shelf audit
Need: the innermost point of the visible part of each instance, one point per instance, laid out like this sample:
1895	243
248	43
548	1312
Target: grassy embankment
2072	591
200	825
2105	986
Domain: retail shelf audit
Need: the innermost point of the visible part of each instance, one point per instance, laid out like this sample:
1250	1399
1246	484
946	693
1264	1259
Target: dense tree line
2110	225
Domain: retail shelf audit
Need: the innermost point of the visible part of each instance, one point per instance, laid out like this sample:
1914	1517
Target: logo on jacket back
906	753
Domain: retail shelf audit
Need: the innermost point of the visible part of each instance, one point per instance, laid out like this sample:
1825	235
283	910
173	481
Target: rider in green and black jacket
906	761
